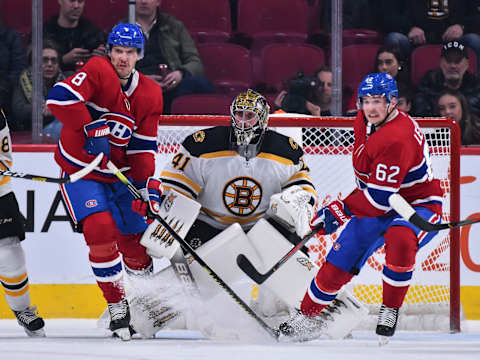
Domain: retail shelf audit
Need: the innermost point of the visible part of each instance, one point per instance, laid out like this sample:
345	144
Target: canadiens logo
242	195
91	203
120	128
336	246
305	262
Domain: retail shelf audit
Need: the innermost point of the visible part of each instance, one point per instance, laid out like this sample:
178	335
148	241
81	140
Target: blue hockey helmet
378	84
129	35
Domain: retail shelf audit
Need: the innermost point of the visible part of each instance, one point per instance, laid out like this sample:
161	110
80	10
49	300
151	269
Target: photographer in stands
307	95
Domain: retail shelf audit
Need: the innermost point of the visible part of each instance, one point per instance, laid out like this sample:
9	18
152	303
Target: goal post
328	143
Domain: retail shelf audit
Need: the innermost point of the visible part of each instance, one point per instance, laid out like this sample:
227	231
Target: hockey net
432	302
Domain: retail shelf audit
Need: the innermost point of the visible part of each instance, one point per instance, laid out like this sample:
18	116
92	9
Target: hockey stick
69	179
248	268
133	190
405	210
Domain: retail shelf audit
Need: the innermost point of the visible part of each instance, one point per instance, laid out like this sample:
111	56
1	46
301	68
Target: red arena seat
280	62
206	20
262	22
358	61
202	104
228	66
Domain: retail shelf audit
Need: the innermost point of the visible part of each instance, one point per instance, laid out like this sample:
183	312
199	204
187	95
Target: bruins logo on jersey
242	195
199	136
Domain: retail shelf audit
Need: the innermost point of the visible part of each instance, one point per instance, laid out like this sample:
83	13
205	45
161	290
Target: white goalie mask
249	116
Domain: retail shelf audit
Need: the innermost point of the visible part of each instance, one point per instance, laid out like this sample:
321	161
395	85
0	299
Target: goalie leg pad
293	277
180	212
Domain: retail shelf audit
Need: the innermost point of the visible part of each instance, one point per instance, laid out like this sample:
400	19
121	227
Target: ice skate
387	322
303	328
31	322
120	319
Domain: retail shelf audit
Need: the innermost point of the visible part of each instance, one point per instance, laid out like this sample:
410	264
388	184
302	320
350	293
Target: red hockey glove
332	216
152	198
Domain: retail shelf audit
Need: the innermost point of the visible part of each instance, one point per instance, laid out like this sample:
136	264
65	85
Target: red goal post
327	143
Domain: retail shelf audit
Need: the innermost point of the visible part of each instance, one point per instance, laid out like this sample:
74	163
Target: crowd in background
172	57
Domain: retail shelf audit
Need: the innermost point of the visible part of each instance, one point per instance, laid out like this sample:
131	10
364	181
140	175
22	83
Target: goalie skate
303	328
31	322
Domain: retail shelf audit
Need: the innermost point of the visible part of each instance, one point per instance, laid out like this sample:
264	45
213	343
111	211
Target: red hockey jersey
394	158
132	115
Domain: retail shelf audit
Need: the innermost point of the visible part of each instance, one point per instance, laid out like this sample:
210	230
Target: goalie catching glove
332	216
152	192
293	207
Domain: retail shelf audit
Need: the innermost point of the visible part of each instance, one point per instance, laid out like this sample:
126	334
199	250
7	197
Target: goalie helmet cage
433	300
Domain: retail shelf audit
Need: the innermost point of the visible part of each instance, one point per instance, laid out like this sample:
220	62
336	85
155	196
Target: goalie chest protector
229	187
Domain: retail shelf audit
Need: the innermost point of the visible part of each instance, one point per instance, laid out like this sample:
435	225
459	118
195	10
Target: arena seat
261	22
427	57
357	61
280	62
202	104
227	66
206	20
105	13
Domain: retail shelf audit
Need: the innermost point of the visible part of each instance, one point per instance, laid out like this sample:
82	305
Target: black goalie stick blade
248	268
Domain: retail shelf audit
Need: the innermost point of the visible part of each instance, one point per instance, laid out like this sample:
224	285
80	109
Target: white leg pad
292	279
220	253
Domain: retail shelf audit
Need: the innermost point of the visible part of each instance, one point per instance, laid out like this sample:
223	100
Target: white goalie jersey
229	187
5	154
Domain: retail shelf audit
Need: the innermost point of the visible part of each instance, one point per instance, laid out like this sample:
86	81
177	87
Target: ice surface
81	339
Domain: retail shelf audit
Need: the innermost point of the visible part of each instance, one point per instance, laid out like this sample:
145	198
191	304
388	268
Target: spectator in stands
12	62
169	43
22	99
391	60
305	95
452	104
78	38
452	74
406	97
414	23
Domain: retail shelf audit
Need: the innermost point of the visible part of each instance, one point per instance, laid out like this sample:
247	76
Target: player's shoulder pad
208	140
281	145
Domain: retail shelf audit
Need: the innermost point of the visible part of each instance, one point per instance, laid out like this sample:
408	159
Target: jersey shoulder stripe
205	141
281	146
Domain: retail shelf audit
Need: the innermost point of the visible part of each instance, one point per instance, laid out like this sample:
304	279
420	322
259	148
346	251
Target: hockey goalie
243	189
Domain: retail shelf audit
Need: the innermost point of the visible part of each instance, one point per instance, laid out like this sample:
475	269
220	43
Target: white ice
81	339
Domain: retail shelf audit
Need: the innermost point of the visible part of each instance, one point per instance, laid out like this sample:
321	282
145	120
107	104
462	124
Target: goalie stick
247	267
69	179
405	210
133	190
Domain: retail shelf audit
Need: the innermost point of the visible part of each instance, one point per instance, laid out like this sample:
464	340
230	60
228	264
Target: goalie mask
249	117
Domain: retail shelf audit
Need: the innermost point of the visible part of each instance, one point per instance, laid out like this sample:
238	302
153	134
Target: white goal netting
432	300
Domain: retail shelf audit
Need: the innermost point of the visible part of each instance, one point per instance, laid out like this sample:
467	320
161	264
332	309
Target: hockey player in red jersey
108	107
390	156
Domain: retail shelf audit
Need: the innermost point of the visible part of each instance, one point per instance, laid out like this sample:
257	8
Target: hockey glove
97	136
152	198
331	216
